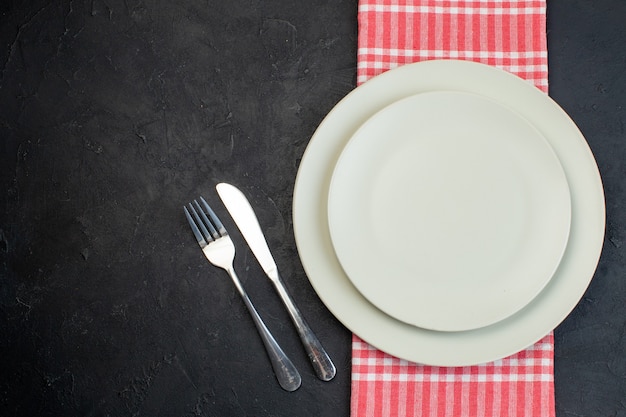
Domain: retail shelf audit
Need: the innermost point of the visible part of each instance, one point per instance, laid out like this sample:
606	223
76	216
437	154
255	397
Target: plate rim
440	348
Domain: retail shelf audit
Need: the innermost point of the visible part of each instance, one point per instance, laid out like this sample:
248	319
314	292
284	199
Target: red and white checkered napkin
510	35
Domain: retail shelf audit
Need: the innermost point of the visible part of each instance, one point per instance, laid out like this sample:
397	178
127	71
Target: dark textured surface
114	113
587	66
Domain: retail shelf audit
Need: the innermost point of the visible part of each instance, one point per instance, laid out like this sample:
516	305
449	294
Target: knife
242	213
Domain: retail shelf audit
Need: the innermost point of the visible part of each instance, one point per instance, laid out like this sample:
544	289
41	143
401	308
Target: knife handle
323	366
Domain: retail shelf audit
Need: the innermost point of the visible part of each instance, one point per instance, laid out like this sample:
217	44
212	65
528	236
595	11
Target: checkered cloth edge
519	385
510	35
506	34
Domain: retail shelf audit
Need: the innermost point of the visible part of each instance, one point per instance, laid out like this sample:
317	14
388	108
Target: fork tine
206	221
218	224
207	235
194	228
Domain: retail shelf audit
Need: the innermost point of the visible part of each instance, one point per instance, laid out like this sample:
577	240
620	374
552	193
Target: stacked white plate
449	213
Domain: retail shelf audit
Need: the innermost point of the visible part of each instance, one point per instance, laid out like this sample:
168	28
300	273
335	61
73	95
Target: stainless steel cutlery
219	249
241	211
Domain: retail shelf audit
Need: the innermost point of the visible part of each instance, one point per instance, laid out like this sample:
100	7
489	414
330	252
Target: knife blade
248	224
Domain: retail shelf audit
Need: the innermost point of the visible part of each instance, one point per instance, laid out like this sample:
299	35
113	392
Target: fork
219	249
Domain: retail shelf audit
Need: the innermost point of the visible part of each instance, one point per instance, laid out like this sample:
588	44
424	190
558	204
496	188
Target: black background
115	113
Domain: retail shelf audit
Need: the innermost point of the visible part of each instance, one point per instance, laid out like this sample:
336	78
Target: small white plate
516	332
448	211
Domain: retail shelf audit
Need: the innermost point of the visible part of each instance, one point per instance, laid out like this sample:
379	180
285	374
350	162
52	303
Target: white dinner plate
403	340
448	211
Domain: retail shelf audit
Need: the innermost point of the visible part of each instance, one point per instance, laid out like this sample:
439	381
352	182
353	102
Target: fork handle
322	364
286	372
